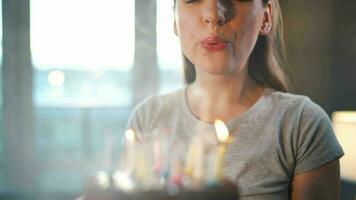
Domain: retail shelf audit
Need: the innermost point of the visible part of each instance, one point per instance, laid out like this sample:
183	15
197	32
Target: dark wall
321	47
343	54
307	33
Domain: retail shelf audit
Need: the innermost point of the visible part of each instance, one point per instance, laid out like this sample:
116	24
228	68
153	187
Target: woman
284	146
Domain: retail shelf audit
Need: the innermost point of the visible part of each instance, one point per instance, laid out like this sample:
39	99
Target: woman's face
218	36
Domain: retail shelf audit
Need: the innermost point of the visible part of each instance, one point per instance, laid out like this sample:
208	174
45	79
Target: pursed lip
214	43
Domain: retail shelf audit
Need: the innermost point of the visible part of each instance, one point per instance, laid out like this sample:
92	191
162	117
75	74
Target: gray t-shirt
280	136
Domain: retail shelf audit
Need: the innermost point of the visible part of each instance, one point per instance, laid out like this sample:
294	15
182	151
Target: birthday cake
222	191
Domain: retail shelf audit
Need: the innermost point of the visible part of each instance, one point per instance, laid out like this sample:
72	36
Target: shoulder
154	108
312	138
287	99
159	102
296	104
299	113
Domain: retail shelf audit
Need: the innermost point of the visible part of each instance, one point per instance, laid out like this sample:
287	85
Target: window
168	48
89	44
82	53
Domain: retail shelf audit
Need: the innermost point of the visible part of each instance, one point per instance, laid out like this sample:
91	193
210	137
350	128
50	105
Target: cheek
188	33
249	29
255	19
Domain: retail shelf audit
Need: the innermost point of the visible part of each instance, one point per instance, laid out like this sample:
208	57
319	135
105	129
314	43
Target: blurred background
72	70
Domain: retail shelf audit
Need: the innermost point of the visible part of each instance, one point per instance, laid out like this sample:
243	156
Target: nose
214	13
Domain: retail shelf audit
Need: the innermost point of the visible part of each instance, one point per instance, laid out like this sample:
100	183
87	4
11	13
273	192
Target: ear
267	19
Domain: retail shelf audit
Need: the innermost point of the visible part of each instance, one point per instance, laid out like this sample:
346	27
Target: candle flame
130	135
221	131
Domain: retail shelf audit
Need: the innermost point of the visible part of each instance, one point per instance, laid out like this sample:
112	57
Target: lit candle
189	161
199	160
138	167
141	166
223	135
157	156
176	173
130	150
195	160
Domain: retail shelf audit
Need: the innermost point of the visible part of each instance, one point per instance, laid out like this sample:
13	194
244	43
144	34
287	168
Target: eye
190	1
240	1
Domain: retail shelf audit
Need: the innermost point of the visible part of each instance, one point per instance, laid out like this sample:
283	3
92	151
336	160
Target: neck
223	97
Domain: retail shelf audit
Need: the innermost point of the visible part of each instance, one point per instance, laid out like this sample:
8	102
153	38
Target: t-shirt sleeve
134	121
316	143
141	116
